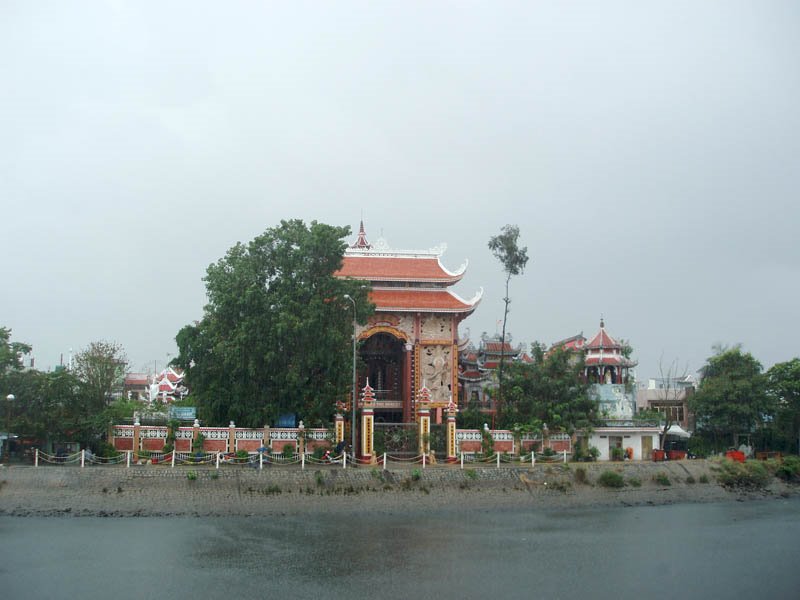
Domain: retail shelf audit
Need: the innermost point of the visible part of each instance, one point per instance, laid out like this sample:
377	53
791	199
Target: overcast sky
648	151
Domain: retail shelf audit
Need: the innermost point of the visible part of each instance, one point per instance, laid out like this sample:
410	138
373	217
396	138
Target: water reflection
730	550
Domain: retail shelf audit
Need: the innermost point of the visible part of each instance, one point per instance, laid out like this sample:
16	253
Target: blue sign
183	413
287	420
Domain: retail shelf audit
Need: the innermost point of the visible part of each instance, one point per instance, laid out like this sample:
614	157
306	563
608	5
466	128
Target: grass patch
690	479
611	479
635	482
789	469
471	473
704	478
416	475
662	479
580	475
751	474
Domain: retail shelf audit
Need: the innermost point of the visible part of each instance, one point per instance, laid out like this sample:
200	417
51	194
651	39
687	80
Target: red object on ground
676	454
735	455
658	455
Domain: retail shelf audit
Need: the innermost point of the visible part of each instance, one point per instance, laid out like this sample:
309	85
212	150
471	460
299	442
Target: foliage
549	391
611	479
783	387
198	442
580	475
635	482
416	474
191	475
101	369
751	474
732	397
11	353
288	451
506	249
487	442
789	469
617	453
276	333
703	478
471	473
662	479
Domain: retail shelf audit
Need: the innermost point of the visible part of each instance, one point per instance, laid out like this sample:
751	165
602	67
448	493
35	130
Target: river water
731	550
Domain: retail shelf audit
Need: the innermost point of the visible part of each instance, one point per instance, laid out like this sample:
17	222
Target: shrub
416	475
191	475
319	478
617	453
749	475
611	479
635	482
789	469
662	479
703	478
242	454
549	452
580	475
319	452
288	451
593	452
690	479
471	473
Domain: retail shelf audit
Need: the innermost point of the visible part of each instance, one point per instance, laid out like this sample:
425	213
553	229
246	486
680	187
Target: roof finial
602	324
362	242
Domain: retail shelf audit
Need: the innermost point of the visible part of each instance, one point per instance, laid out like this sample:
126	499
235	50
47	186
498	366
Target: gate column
368	424
451	432
424	412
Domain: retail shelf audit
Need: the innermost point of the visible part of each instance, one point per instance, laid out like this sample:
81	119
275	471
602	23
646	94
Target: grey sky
648	151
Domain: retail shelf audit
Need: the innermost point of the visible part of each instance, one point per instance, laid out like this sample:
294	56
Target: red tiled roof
602	340
609	359
499	347
394	268
137	379
412	300
471	375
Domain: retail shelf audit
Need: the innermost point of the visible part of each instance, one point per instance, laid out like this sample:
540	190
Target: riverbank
243	491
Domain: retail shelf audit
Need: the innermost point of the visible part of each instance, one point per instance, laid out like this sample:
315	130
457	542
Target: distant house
477	369
136	386
669	396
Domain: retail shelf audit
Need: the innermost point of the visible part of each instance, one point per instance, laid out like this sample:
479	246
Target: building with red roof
412	339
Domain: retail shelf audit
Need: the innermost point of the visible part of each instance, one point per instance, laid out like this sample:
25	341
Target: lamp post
9	399
353	399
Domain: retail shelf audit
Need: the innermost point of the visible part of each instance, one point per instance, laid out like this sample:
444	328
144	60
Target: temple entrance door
383	357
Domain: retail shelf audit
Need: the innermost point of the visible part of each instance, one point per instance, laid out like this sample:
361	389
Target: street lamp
9	399
353	400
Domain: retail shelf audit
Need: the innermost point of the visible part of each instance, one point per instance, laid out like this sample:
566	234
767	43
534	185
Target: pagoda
411	341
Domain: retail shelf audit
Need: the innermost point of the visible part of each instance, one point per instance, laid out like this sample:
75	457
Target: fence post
565	456
218	459
384	461
423	460
462	460
344	460
36	458
260	461
83	457
303	461
173	459
128	460
533	458
498	460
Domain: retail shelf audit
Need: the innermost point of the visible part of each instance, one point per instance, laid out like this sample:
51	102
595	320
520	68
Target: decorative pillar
424	414
137	427
451	431
338	420
408	383
195	433
368	423
301	439
232	437
266	443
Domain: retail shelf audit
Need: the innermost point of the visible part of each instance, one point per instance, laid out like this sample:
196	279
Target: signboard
183	413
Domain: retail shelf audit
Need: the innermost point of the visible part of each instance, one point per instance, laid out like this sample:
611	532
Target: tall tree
101	369
549	390
732	397
783	385
276	332
507	250
11	353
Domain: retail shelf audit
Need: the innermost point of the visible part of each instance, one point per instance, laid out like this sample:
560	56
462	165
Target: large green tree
732	397
783	385
276	333
101	369
11	353
549	390
505	247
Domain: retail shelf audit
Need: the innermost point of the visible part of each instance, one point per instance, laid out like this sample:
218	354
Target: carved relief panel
436	327
435	364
